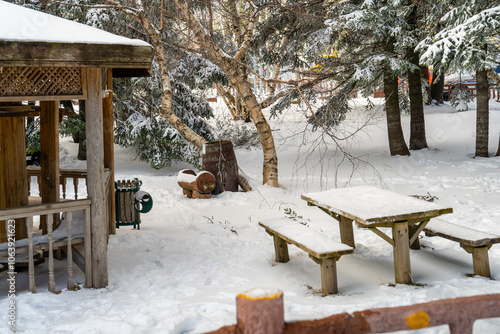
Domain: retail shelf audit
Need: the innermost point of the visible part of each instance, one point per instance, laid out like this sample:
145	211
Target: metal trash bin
131	202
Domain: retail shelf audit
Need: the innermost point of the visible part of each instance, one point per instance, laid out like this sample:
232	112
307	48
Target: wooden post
480	260
402	268
260	311
280	249
13	175
109	150
329	276
95	167
346	231
49	156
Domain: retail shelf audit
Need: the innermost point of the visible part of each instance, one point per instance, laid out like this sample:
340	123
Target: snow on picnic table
181	272
371	204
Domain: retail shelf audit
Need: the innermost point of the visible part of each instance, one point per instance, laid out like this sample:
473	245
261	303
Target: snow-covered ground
181	272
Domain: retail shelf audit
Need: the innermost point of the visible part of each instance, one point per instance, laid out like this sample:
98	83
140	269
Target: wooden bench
473	241
322	249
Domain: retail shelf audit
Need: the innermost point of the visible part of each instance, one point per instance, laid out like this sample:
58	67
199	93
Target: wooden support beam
280	249
480	260
96	178
329	276
13	176
49	156
346	231
401	250
109	150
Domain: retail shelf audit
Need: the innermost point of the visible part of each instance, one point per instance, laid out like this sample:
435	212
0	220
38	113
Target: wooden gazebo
48	59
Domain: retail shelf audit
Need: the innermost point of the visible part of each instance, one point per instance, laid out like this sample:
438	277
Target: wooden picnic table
371	208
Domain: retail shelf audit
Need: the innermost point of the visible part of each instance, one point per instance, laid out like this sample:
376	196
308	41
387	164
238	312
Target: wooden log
260	311
202	183
96	179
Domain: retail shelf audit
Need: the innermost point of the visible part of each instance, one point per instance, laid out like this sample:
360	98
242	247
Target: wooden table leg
402	266
346	231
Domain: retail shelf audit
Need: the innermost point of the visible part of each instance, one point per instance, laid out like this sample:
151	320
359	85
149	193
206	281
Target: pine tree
464	44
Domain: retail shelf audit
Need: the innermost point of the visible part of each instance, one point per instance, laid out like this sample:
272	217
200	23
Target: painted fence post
260	311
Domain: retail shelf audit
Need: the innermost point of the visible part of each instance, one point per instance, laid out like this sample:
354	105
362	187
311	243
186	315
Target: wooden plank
30	210
464	235
109	153
401	248
96	179
346	231
415	230
78	256
14	190
49	155
382	235
325	247
40	54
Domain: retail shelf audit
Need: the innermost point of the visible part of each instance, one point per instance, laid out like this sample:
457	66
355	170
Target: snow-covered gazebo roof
33	38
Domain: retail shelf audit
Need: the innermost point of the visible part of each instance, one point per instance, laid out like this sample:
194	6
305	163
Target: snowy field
182	271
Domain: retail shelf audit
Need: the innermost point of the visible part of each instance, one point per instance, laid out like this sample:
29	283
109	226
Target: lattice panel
40	81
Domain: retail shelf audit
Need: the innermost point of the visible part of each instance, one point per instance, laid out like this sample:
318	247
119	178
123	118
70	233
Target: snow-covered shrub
459	99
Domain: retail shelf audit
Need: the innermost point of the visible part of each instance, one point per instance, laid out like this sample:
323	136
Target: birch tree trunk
230	65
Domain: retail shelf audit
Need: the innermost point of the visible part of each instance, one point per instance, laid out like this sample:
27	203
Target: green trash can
130	202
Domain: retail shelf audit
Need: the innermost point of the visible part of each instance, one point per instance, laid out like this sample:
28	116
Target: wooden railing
64	174
76	175
49	243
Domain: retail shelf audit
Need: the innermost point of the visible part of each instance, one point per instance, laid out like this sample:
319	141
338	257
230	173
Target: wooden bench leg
329	276
346	231
480	260
402	266
281	249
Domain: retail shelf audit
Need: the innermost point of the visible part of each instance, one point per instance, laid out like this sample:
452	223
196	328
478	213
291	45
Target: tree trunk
424	75
417	128
482	117
397	143
230	66
437	87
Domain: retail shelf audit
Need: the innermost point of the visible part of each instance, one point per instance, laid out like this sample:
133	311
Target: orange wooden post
260	311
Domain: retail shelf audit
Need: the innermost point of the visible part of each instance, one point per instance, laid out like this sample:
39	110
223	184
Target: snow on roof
20	24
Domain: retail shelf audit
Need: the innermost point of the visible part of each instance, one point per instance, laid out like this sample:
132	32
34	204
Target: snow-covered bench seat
323	250
473	241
